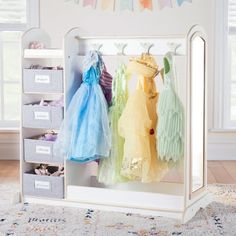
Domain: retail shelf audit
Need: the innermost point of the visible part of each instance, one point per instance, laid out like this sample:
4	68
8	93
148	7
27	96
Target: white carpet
219	218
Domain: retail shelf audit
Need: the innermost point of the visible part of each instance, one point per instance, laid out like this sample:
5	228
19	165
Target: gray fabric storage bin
42	81
43	186
45	117
40	151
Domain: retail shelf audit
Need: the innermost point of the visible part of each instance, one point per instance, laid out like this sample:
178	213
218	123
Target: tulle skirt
170	127
109	168
140	161
85	135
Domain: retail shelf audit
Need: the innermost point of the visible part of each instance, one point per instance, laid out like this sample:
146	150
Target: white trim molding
33	14
222	76
221	45
222	145
221	138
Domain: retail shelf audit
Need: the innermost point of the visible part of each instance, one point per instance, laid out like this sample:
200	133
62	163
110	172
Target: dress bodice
91	76
120	87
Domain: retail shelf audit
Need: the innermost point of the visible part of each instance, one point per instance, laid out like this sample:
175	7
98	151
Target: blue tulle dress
85	135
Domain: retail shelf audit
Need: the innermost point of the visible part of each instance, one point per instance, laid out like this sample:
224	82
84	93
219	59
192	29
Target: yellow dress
138	123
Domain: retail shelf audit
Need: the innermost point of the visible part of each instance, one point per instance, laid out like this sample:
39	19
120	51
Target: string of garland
128	4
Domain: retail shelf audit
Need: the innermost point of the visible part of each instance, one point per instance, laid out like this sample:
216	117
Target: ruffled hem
87	159
170	130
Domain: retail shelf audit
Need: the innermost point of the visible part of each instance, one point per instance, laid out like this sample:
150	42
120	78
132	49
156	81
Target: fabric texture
109	168
85	134
170	136
106	84
137	125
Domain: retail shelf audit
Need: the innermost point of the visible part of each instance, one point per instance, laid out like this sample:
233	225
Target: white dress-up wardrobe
179	199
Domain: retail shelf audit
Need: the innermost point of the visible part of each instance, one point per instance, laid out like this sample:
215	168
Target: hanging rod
156	45
173	36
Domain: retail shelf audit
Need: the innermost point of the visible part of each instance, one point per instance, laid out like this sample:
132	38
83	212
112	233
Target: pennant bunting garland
145	4
165	3
123	5
180	2
107	4
126	5
91	3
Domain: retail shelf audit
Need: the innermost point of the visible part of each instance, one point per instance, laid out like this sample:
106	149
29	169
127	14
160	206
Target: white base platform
115	200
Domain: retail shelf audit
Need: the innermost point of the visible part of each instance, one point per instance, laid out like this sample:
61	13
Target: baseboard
222	146
222	152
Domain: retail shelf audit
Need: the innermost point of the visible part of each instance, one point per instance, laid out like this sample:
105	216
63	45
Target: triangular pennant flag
180	2
165	3
146	4
91	3
107	4
126	5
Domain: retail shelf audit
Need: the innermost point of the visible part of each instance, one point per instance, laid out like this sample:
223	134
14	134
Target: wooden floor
9	171
221	172
218	172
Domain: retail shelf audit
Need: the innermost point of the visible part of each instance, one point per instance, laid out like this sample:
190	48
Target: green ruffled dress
170	128
109	168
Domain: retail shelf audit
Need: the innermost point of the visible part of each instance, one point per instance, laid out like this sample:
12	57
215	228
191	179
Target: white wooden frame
162	199
197	31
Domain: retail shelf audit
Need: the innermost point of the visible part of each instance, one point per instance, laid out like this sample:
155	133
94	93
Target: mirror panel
198	47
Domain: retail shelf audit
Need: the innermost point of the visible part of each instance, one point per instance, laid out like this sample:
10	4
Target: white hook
147	47
96	46
121	48
173	46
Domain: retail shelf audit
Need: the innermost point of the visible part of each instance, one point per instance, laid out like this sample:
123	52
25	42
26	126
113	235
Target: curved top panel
197	29
36	34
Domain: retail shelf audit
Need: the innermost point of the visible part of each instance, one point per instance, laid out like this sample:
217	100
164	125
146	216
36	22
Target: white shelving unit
178	200
35	153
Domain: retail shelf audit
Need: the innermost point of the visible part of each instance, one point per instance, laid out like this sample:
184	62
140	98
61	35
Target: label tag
42	185
42	79
41	115
43	150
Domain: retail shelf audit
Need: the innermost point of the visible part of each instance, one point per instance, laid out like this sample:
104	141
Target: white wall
58	16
